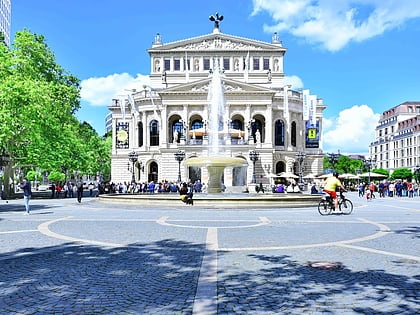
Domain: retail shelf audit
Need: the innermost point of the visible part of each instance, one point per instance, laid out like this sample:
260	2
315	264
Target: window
206	62
167	64
293	134
187	66
256	63
279	133
266	64
226	63
177	65
140	133
236	124
154	133
177	130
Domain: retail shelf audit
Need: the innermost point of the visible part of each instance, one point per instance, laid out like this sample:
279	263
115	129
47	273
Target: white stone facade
397	139
172	113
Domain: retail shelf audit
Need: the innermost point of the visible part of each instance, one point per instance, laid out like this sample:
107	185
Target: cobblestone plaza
97	258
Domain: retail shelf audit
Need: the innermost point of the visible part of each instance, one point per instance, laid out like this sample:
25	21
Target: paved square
99	258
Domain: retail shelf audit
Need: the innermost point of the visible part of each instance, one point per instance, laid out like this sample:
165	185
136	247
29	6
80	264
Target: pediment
216	42
230	86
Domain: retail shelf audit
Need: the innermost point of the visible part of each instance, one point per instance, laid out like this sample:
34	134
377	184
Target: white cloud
333	24
294	81
351	132
99	91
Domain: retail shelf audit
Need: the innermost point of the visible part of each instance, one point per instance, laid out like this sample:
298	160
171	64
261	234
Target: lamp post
333	159
417	173
179	156
369	163
132	157
358	172
254	155
4	161
300	156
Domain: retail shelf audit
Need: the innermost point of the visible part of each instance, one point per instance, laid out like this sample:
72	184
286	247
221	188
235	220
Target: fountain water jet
216	162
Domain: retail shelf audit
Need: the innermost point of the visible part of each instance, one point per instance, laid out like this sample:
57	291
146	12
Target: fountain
215	162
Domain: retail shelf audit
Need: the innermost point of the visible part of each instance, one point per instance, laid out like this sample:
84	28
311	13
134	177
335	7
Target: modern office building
262	113
397	143
5	20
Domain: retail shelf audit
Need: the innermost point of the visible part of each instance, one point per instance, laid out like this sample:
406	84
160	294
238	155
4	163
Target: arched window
154	133
293	134
177	129
153	172
280	167
279	133
257	125
140	133
236	124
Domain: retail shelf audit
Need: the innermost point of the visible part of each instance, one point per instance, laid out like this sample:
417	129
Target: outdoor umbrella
348	176
373	175
288	175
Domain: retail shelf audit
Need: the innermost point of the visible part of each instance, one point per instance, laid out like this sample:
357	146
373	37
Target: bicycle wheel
346	206
324	207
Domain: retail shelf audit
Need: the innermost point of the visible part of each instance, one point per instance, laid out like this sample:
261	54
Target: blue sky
361	56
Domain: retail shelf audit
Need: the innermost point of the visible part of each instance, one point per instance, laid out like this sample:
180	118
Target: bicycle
326	205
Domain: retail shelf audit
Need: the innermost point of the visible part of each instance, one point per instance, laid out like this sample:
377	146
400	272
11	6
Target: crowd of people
398	188
151	187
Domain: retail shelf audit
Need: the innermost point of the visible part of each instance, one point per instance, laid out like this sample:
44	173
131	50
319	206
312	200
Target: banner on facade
312	135
122	138
312	110
305	103
286	101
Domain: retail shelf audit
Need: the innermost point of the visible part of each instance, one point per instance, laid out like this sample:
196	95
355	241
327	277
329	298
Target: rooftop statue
216	19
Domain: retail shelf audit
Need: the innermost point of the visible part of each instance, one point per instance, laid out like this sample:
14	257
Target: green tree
33	176
38	100
402	173
56	176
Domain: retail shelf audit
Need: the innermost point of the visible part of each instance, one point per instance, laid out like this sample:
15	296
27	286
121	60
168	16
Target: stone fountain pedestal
215	166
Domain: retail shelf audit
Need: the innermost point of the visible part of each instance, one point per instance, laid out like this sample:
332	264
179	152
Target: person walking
79	186
26	186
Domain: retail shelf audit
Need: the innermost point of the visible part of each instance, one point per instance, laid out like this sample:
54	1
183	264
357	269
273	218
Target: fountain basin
215	166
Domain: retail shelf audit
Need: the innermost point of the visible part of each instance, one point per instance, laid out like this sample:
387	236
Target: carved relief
218	43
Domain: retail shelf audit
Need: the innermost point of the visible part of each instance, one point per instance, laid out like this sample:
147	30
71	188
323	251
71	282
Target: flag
132	103
122	106
186	68
305	103
286	101
312	110
246	67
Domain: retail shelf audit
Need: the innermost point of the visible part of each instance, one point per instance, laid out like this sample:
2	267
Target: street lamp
254	155
333	159
179	156
369	163
358	172
300	156
417	173
132	157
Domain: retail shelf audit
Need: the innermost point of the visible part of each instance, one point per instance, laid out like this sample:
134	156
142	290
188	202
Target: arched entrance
194	173
280	167
153	172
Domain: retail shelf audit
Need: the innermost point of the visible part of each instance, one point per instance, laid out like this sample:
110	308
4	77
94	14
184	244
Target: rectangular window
256	63
226	63
167	64
206	63
177	64
266	64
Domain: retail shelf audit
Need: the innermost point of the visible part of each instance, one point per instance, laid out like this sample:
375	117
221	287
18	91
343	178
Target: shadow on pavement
286	287
7	207
157	278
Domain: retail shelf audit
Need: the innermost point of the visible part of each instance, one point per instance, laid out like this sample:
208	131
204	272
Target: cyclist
330	187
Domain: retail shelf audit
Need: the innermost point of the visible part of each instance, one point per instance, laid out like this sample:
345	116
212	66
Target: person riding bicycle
330	187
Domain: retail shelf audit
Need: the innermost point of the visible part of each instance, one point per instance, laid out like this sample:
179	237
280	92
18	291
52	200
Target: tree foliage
402	173
56	176
38	100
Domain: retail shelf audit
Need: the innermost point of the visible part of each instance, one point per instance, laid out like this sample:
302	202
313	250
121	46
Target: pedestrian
52	190
91	186
26	186
79	186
